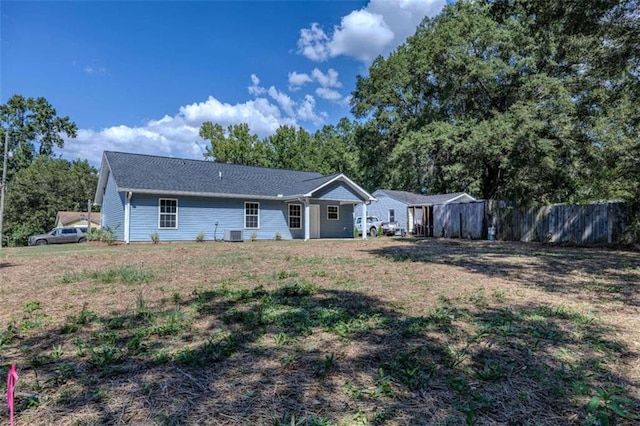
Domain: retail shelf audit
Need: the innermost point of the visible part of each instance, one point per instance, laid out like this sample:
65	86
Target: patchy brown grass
384	331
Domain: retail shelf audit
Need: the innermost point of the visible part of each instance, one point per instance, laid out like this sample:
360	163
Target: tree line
522	100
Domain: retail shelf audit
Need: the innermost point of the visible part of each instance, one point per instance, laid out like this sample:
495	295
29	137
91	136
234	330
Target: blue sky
142	76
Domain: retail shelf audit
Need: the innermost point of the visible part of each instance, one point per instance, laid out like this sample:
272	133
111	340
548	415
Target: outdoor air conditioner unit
233	235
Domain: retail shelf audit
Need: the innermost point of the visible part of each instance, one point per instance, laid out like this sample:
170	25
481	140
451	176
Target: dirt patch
386	331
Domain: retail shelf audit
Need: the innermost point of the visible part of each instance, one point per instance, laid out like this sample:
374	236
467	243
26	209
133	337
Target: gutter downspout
127	217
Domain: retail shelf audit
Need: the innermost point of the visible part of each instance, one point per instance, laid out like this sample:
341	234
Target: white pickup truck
373	224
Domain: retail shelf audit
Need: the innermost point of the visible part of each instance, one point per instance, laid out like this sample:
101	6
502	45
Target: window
392	215
168	218
252	215
69	231
332	212
295	216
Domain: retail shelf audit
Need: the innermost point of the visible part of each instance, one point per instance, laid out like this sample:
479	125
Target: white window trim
245	214
160	200
289	217
389	215
337	212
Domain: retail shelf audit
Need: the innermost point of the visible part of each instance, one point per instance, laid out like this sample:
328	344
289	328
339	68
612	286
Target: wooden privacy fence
575	223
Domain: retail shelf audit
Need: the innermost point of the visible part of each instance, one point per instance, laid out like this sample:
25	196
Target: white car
373	224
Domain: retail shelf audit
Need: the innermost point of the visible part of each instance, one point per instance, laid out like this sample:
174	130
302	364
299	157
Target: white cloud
296	81
306	110
91	69
328	94
285	102
178	135
255	88
330	79
366	33
314	43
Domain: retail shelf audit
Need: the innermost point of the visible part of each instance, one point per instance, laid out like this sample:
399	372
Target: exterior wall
341	228
381	208
337	191
113	209
196	214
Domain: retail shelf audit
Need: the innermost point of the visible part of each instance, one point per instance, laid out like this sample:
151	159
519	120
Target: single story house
77	219
178	198
413	211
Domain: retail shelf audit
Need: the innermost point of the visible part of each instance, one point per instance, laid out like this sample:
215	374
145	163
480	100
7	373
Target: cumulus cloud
296	80
178	135
285	102
330	79
255	88
328	94
306	110
314	43
363	34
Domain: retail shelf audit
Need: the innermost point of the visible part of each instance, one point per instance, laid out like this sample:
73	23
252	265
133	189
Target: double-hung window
332	213
251	215
168	214
295	216
392	215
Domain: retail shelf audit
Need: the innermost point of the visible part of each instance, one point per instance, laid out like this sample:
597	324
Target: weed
282	275
329	361
56	353
282	339
353	391
605	407
155	237
200	237
104	356
278	236
142	310
491	371
453	356
253	236
383	384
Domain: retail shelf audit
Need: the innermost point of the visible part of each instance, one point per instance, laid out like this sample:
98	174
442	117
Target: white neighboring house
408	208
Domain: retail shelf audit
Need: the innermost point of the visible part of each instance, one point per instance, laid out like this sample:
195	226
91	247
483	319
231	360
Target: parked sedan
59	236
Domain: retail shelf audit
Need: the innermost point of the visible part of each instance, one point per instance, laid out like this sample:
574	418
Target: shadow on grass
303	355
610	275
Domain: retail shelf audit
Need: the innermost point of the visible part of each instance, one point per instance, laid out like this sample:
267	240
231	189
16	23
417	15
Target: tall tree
505	98
235	145
40	190
34	129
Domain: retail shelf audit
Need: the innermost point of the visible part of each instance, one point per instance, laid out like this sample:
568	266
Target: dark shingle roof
156	174
411	198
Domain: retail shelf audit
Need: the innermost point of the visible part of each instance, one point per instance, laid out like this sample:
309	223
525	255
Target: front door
314	221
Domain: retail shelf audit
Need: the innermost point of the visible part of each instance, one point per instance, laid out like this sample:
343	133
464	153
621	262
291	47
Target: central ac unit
233	235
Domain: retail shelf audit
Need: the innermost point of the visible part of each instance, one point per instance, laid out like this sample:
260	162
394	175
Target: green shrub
253	236
155	237
200	237
278	236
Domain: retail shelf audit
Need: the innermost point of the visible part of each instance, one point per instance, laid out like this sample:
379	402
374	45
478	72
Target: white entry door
314	221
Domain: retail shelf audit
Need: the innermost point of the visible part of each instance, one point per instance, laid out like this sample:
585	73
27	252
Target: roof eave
207	194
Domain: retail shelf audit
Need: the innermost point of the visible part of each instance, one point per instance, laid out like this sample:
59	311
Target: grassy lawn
384	331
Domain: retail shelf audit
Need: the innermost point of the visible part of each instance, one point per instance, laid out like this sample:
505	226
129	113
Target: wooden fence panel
581	224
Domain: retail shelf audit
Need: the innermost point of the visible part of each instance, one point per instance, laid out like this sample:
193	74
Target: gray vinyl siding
341	228
196	214
381	208
113	209
337	191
